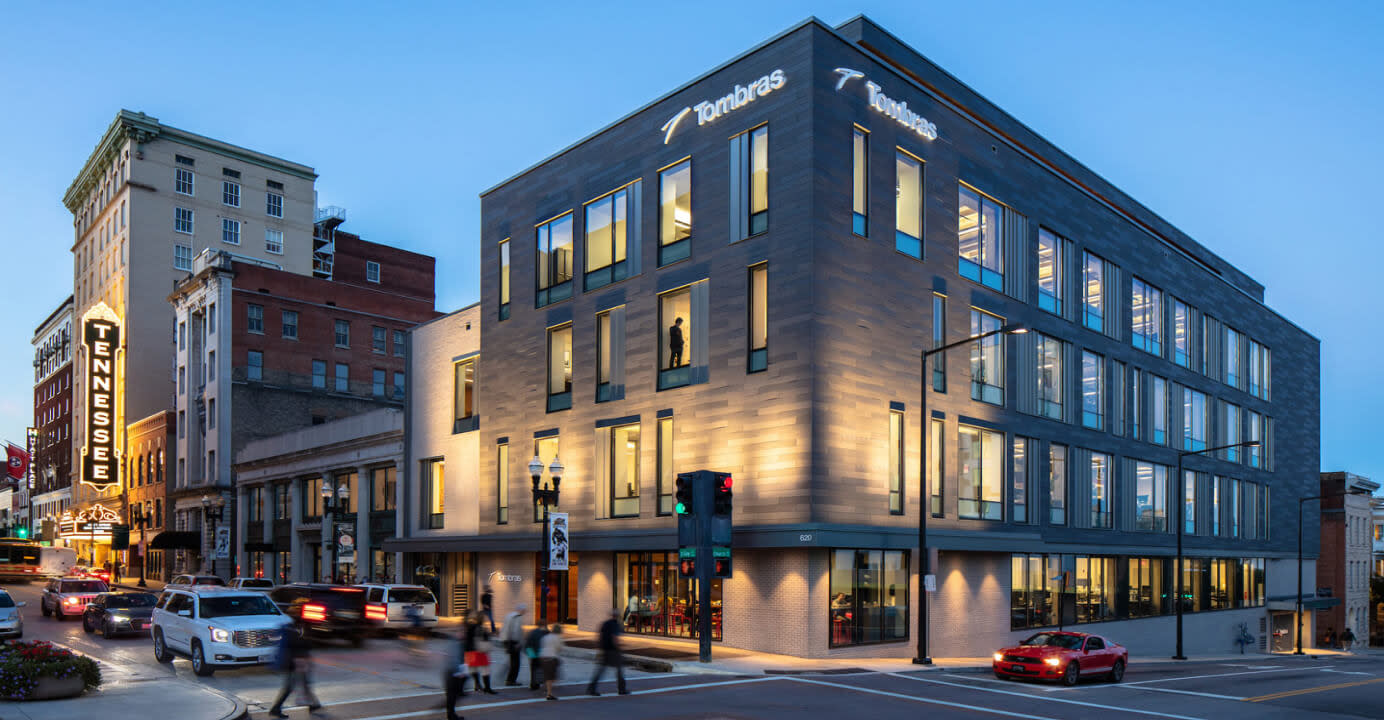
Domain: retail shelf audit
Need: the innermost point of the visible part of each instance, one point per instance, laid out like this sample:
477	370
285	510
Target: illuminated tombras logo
885	105
742	95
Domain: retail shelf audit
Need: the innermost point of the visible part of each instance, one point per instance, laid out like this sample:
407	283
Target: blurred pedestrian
487	607
478	651
512	638
415	635
454	675
549	652
610	656
1330	639
295	663
533	648
115	572
1347	639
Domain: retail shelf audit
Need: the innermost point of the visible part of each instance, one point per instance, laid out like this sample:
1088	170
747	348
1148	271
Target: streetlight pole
924	496
138	517
544	497
1182	523
212	509
333	503
1301	503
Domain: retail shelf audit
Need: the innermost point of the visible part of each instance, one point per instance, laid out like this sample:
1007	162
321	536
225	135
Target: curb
239	709
637	662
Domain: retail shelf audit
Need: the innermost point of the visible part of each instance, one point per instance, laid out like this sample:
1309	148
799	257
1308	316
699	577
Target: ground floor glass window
653	599
869	596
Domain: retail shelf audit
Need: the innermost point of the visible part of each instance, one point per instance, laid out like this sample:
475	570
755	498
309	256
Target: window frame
1093	303
254	318
905	242
548	288
502	483
1101	490
184	177
432	493
285	325
1058	481
273	204
342	378
465	414
666	475
981	270
372	272
860	181
560	399
756	138
981	389
982	480
184	220
341	333
505	286
897	460
617	510
1092	390
757	314
618	227
681	375
675	244
230	193
1146	316
1049	348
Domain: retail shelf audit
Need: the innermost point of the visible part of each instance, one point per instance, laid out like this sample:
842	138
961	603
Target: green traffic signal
681	509
22	532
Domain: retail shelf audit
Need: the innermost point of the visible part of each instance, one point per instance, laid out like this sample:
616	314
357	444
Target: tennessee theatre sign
101	339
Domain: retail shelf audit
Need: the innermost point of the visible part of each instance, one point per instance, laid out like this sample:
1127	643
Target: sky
1245	124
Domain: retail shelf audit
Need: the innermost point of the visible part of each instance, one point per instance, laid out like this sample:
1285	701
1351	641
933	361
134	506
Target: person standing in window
675	344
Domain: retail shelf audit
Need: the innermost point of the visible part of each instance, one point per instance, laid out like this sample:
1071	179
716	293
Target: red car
1064	656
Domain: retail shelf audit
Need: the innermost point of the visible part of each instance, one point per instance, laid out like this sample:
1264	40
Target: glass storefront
654	600
869	596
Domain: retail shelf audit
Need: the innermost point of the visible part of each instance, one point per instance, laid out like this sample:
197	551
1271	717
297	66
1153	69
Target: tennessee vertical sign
101	339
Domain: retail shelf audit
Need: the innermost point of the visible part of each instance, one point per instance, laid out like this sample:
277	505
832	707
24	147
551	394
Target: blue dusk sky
1252	126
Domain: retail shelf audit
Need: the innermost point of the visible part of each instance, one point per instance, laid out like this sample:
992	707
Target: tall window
1057	484
319	374
379	340
624	471
1151	497
1255	453
183	181
230	231
377	382
273	205
1100	490
757	182
1189	503
758	358
182	257
1158	398
343	333
254	365
1033	592
1230	431
987	359
934	455
980	474
1193	420
560	368
182	220
674	212
502	483
383	483
979	228
1050	377
289	324
1092	287
372	271
1146	307
230	193
554	260
1216	506
1232	358
1018	481
1182	333
1095	588
398	385
908	191
896	462
398	343
604	352
504	279
665	466
606	239
343	377
939	338
1146	596
860	171
1235	502
1258	370
1136	404
273	241
312	499
433	487
869	596
1092	390
1052	253
675	338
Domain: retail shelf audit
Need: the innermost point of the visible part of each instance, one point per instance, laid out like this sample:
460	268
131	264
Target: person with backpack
295	663
512	637
533	644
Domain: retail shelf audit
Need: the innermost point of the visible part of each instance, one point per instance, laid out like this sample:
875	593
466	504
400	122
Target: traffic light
687	562
721	493
22	532
720	562
682	501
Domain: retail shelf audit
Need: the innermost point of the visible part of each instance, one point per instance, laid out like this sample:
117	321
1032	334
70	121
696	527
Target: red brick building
147	464
1343	567
52	461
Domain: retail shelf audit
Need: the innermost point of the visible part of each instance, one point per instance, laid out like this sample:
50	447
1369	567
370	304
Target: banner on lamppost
222	549
345	543
557	541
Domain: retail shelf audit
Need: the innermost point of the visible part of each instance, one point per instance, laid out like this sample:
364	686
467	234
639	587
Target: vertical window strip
860	172
908	212
758	358
896	461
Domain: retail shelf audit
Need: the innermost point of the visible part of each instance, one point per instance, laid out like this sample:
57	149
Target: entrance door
1283	632
563	587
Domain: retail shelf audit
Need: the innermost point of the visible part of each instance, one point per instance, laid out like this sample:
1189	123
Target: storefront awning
176	540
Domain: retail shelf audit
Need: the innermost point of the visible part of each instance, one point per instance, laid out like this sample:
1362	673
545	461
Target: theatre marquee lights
101	340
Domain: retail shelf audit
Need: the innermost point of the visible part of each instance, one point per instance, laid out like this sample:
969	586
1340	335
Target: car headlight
999	657
1052	662
219	635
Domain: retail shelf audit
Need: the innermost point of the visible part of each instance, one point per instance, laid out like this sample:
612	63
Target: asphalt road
383	681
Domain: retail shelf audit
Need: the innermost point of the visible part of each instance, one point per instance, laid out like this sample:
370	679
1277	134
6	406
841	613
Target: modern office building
712	282
1344	567
149	198
51	466
262	351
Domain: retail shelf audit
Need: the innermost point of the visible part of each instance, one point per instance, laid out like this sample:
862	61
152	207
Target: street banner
557	541
222	550
345	543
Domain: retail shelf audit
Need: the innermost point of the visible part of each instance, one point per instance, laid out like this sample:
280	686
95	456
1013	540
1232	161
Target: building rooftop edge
70	302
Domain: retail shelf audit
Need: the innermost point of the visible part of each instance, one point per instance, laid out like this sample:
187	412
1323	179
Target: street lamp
141	521
333	503
1182	523
924	496
545	497
1301	503
213	509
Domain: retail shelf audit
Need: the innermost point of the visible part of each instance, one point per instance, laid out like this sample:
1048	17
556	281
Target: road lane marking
1039	697
915	698
1179	692
426	693
1307	691
569	698
1200	677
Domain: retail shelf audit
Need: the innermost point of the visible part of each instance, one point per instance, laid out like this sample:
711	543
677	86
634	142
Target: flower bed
38	670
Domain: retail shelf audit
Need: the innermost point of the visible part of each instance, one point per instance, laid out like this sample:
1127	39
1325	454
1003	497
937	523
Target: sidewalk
132	584
121	699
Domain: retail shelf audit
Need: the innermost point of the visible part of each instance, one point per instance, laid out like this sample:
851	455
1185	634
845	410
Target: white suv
388	606
216	626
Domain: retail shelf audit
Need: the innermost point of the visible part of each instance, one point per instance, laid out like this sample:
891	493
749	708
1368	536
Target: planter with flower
40	671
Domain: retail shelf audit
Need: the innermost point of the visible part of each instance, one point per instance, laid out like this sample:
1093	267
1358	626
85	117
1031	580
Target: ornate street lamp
545	497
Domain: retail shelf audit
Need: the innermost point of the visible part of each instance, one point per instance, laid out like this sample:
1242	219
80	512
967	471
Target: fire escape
325	222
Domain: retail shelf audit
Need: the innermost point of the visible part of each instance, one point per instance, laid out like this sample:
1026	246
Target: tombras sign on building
739	96
887	106
101	342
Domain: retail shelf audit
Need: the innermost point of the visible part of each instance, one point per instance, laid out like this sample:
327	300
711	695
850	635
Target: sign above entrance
100	455
500	577
742	95
93	523
885	105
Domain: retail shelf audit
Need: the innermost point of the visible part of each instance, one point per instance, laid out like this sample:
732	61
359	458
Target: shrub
23	663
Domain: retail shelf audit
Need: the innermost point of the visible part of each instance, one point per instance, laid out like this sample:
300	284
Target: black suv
323	609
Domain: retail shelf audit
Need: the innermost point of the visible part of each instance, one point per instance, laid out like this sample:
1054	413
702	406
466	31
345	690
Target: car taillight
314	612
376	612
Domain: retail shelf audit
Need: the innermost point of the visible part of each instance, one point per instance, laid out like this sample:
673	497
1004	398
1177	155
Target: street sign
930	582
222	549
557	541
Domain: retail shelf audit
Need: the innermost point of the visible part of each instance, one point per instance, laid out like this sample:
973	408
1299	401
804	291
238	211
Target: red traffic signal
721	498
687	568
721	568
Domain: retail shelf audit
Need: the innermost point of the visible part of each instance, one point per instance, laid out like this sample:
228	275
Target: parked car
324	610
189	580
387	606
11	620
119	612
217	627
246	583
67	597
1062	656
